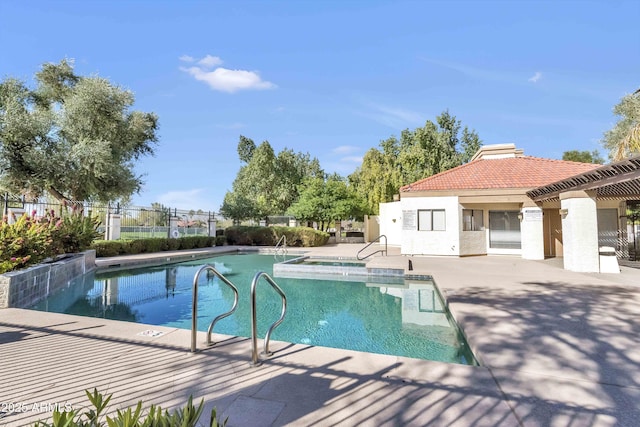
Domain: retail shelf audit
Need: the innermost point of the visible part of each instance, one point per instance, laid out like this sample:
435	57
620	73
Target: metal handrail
384	251
282	240
255	360
194	308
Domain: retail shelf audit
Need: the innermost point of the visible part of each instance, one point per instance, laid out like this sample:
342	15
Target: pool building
505	203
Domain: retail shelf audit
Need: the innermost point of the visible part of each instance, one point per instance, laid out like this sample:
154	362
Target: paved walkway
557	349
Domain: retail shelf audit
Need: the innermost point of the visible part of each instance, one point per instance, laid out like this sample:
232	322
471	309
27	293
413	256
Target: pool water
406	319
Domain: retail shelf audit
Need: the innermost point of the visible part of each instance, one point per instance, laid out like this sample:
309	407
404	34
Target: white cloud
210	61
224	79
186	58
537	76
351	159
345	149
397	118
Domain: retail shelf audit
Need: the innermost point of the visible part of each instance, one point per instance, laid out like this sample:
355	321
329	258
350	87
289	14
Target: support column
15	213
113	229
532	232
212	227
174	233
580	231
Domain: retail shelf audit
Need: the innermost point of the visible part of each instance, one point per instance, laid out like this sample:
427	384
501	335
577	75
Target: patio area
557	348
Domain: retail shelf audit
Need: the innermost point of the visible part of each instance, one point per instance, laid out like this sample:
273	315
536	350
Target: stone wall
23	288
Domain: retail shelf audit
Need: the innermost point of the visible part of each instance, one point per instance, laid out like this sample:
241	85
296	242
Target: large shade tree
623	140
73	137
266	184
326	200
419	153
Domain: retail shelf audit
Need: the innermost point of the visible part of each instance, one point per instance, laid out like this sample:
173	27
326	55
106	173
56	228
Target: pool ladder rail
281	246
255	359
383	251
194	306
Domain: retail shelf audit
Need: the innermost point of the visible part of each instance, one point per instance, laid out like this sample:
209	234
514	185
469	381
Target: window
431	220
472	220
504	230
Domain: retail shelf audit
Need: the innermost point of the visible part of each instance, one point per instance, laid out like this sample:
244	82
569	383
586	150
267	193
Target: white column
212	227
173	227
532	233
15	212
113	226
580	231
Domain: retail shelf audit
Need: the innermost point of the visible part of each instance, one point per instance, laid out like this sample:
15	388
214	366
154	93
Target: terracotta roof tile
510	172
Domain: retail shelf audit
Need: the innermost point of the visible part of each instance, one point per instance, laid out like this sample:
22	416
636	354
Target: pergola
619	180
578	197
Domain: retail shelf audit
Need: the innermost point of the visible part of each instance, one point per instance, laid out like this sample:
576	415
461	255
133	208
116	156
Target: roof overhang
619	180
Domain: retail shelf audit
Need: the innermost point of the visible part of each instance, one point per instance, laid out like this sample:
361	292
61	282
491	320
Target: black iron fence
134	222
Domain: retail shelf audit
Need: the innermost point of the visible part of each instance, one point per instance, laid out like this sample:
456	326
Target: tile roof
510	172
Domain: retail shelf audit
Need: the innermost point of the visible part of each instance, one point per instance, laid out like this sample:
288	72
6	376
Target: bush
30	240
186	416
107	248
269	236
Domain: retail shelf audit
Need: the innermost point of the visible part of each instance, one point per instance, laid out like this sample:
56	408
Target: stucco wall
391	222
580	233
447	242
532	233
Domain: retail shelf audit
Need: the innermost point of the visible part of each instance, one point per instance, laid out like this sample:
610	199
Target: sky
334	78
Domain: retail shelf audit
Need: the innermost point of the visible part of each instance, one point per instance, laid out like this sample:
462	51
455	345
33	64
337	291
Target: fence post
113	226
212	225
173	232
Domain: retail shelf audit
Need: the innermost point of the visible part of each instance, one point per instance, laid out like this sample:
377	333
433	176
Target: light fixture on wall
564	213
520	216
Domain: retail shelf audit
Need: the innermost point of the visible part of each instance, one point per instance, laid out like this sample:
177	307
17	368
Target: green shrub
269	236
106	248
76	232
30	240
220	240
186	416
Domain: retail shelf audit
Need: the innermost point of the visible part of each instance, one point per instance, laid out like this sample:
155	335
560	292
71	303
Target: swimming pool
404	318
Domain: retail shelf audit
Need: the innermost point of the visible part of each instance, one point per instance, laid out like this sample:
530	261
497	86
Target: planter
23	288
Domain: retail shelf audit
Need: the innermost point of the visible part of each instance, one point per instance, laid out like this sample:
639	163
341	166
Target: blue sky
334	78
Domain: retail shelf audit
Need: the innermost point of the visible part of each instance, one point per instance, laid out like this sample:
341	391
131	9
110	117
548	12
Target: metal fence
135	222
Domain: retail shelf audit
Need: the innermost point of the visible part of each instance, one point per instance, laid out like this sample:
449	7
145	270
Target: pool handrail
384	251
278	246
194	307
255	359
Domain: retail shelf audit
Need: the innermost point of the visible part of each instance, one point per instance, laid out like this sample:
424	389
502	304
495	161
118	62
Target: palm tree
624	139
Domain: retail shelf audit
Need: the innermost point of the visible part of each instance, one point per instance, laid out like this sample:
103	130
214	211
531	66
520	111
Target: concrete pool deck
557	348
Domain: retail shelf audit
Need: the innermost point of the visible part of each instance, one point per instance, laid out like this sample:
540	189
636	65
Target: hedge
107	248
269	236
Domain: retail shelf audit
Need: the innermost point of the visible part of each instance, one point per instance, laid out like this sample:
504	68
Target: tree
328	200
419	153
268	184
624	139
73	137
583	156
